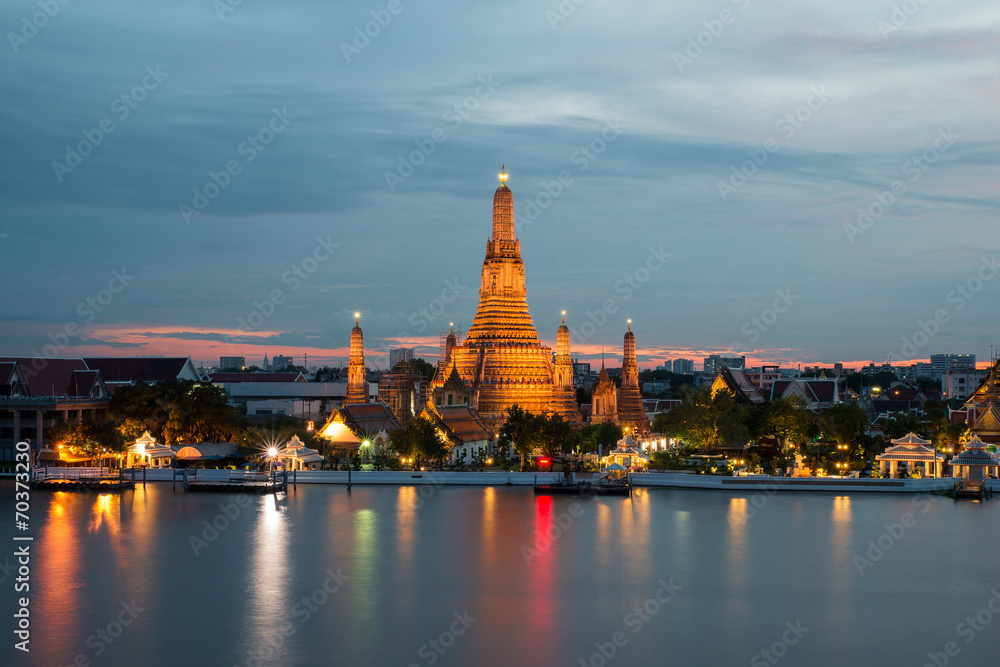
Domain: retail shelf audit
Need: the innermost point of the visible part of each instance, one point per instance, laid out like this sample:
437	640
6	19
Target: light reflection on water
745	571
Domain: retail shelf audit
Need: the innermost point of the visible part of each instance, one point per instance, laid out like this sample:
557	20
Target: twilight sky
174	171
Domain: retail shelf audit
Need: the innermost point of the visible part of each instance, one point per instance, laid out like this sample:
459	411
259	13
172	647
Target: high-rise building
715	362
279	361
232	363
399	354
357	383
501	358
683	366
942	363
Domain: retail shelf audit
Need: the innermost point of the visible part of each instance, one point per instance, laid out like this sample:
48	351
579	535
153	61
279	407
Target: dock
102	480
231	481
968	490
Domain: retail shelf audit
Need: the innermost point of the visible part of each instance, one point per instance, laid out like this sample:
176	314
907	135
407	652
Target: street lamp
272	453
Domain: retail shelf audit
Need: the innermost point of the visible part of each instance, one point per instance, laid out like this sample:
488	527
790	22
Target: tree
788	419
899	425
174	411
419	438
662	460
842	423
928	386
92	436
425	368
554	434
705	419
936	413
519	430
608	434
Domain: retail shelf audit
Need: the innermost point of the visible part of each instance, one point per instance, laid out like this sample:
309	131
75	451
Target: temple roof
736	381
911	439
975	457
460	423
988	421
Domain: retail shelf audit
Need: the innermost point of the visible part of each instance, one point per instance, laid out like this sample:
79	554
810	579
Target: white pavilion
911	449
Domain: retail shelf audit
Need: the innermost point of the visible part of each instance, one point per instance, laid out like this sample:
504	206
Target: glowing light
503	175
272	451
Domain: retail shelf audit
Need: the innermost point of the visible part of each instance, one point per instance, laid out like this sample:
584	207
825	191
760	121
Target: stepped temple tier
501	362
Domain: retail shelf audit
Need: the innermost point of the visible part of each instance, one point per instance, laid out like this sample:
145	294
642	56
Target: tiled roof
737	381
369	417
84	381
462	422
911	439
49	377
137	369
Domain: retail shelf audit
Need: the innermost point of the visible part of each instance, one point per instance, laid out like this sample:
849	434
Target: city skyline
329	172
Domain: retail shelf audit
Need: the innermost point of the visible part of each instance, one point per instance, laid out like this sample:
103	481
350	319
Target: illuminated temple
501	362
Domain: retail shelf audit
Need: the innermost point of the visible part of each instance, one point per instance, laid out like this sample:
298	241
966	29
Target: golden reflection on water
840	530
271	570
107	512
364	566
636	556
56	580
605	540
406	519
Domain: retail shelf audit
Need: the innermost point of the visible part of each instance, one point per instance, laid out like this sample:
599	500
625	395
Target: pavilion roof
975	457
910	438
902	453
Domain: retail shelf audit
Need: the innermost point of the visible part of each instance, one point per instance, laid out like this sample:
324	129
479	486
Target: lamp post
272	453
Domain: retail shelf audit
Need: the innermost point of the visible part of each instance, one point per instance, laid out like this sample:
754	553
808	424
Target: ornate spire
630	410
503	211
357	383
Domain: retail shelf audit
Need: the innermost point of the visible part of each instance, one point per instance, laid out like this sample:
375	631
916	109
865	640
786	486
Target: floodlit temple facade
631	415
501	360
357	383
983	408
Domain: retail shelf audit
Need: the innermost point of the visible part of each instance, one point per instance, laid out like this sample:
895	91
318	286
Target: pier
83	479
230	481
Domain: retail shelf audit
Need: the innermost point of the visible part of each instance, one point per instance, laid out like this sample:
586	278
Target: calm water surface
470	576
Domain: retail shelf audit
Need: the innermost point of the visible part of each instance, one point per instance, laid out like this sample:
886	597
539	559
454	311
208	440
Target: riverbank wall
647	480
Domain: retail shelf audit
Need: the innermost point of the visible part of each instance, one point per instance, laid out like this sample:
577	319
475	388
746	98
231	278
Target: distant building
232	363
714	363
400	354
36	392
685	366
960	384
280	361
583	376
942	363
764	377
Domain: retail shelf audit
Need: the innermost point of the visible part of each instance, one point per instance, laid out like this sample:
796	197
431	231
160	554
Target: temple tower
357	383
501	358
604	400
630	412
563	390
